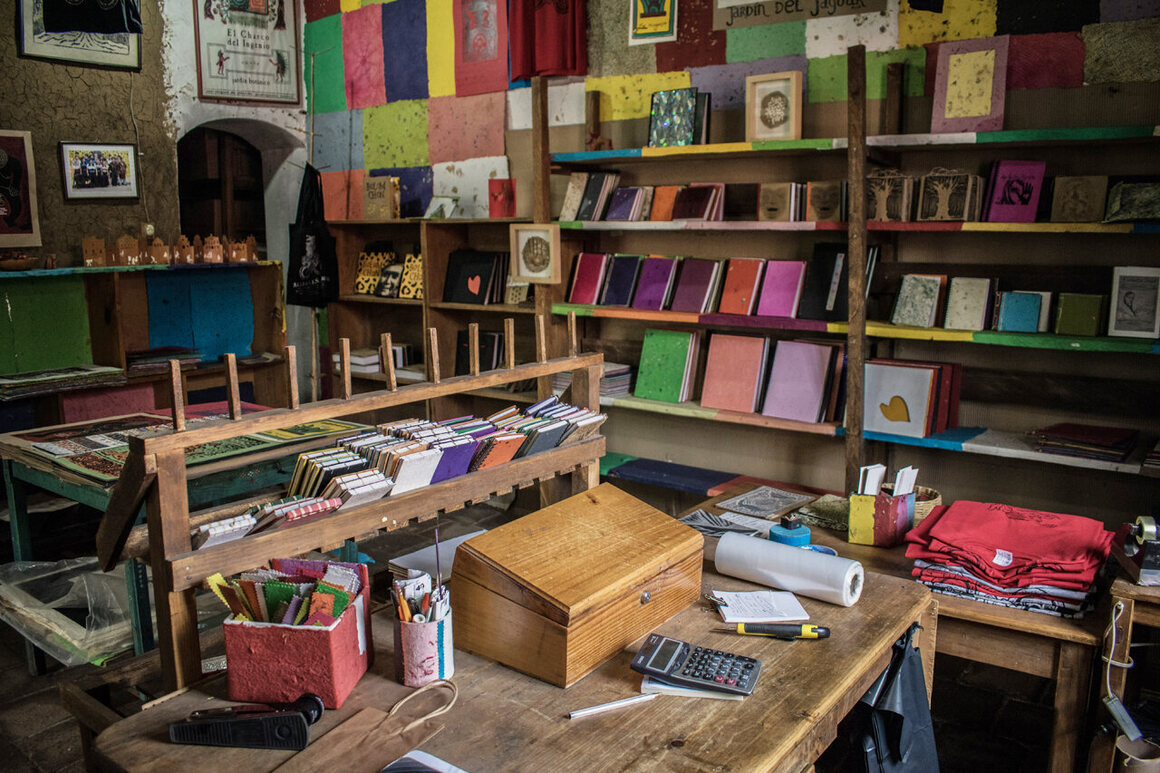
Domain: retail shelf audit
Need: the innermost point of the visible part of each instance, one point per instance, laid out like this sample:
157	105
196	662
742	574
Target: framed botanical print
773	106
535	253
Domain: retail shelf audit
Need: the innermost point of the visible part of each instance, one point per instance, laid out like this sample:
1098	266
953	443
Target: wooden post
433	356
509	342
572	345
592	138
176	396
344	363
233	398
541	340
291	353
541	161
856	336
387	360
891	119
473	348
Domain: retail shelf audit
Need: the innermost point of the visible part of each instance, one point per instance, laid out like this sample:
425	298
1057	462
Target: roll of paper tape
827	578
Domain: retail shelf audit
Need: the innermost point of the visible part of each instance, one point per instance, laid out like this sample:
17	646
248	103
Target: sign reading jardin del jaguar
247	50
730	14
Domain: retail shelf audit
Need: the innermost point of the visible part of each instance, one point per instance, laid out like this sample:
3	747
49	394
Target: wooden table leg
927	641
1072	680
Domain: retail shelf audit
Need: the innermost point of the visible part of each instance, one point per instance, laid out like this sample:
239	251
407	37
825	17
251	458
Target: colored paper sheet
468	181
1106	45
349	5
414	187
697	43
323	65
481	43
338	140
565	106
395	134
959	20
833	35
405	49
320	9
1128	10
45	326
726	82
608	50
827	76
342	194
89	404
1054	60
440	48
447	117
362	53
630	96
1028	17
751	43
170	313
223	313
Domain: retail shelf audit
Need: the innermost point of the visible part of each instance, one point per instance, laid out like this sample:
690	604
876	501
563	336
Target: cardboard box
275	662
556	593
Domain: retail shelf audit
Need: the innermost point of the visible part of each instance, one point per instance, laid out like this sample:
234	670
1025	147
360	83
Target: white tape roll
1145	528
827	578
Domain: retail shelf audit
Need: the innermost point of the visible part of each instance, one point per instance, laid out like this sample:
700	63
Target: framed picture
120	50
247	52
653	21
441	207
92	171
970	85
1135	308
535	253
773	106
19	217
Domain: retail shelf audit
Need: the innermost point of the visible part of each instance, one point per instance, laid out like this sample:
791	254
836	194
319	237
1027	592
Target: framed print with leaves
248	51
535	253
1135	307
773	106
120	50
95	171
19	218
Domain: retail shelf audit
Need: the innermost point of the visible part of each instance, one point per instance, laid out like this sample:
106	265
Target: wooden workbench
507	721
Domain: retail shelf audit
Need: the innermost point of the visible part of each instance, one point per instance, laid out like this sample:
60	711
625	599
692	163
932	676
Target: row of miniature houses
133	251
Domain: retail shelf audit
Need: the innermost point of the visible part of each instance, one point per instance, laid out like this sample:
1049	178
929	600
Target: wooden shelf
490	308
364	298
693	410
701	225
884	226
1019	340
713	152
1014	137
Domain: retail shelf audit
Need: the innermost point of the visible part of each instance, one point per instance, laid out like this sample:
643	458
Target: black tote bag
313	266
894	731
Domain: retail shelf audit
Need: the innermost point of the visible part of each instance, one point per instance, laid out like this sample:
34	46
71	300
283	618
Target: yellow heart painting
895	410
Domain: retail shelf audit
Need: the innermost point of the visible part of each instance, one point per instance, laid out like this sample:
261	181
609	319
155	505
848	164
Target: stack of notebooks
1086	441
17	385
616	380
1152	458
476	277
156	359
668	365
597	196
911	398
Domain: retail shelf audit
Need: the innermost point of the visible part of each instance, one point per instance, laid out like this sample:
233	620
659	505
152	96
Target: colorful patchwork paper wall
388	99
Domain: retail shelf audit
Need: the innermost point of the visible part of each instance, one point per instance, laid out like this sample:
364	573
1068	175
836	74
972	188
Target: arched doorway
220	186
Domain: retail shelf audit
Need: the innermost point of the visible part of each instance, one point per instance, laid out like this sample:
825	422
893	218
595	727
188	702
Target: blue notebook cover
1019	312
620	281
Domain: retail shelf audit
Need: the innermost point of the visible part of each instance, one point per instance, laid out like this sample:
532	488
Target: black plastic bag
313	267
894	730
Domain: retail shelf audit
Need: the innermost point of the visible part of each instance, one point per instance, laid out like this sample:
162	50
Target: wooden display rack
155	473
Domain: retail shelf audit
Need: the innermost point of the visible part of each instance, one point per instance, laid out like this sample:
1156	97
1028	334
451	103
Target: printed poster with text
247	50
730	14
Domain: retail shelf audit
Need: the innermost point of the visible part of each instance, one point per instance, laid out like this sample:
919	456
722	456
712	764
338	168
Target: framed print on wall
121	50
98	171
970	86
1135	310
773	106
19	218
247	53
535	253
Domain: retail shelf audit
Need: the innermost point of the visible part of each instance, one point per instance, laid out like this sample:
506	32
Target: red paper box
275	662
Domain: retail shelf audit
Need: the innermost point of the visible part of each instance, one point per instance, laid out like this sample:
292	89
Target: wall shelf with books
694	410
702	225
1069	136
713	151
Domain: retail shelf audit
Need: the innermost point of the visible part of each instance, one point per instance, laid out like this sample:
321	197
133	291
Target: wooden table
511	722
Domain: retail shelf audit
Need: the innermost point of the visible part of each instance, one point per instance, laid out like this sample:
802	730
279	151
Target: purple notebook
698	276
621	280
621	206
656	279
781	289
797	381
455	461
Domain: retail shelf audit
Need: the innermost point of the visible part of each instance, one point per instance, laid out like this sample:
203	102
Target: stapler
1136	547
251	725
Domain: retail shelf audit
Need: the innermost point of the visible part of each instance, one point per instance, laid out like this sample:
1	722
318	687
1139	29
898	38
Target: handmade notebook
898	398
667	359
469	276
740	290
781	289
798	381
826	285
620	283
655	283
695	285
589	277
734	372
1014	193
968	301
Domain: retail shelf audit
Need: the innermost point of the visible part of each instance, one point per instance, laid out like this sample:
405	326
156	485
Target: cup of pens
424	649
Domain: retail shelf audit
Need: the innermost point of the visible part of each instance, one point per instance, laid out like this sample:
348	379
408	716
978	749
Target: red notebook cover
741	283
734	372
589	277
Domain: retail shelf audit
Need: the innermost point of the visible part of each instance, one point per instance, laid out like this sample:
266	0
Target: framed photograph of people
773	106
19	218
1135	307
120	50
98	171
535	253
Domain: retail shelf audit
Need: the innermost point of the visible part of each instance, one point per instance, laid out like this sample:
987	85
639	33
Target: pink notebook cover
782	288
589	277
733	373
797	381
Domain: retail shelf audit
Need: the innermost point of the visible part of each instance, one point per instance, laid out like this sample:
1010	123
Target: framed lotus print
773	106
535	253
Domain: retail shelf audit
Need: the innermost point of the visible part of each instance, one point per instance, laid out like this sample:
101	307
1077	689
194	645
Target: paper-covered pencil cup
423	651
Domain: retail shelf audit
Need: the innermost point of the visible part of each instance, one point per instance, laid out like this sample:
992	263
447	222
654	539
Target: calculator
703	668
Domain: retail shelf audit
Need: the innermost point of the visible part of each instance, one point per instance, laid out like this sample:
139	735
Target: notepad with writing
759	606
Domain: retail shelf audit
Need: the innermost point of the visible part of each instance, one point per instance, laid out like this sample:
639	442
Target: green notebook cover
1080	314
662	365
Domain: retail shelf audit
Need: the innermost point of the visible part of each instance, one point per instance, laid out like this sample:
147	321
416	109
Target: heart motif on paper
473	284
895	410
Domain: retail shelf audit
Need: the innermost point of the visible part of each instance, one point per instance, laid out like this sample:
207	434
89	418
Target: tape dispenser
1137	548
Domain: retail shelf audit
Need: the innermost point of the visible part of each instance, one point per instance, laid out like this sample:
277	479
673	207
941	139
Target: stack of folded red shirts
1010	556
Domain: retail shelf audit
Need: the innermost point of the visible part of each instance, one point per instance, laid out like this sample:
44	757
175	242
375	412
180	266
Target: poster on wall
653	21
19	220
120	50
247	50
481	46
730	14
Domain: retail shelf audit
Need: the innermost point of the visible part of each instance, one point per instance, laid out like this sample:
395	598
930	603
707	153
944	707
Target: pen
603	707
779	630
